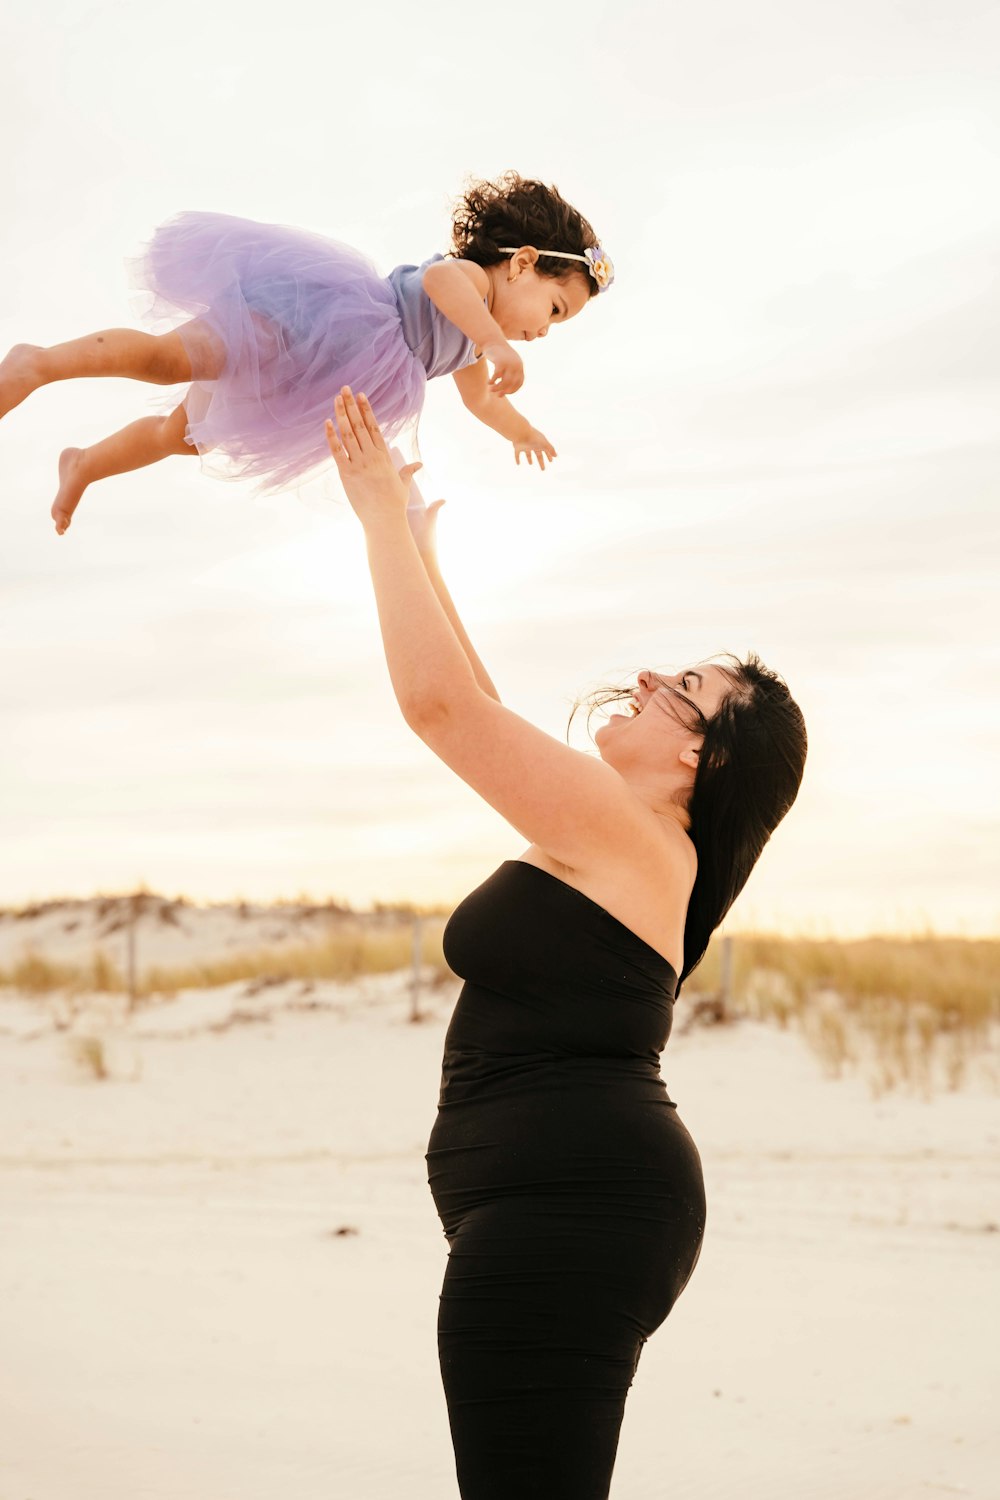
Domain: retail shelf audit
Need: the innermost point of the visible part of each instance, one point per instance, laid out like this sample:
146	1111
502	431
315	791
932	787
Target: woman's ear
689	757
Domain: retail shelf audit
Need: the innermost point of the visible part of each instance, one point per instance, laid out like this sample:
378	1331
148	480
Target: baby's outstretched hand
535	445
508	369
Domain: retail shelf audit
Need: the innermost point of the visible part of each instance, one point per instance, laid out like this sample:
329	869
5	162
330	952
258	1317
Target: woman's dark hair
749	772
518	211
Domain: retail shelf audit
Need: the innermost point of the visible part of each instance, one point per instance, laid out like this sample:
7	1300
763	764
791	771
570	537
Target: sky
779	431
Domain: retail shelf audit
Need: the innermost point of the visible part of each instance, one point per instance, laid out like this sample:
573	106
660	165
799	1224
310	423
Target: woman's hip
591	1159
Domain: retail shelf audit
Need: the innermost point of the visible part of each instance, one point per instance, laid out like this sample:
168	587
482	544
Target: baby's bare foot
20	374
71	487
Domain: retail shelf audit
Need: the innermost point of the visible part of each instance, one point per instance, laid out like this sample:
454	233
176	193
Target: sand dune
167	931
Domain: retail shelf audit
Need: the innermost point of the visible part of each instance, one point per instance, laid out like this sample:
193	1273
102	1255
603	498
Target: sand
180	1317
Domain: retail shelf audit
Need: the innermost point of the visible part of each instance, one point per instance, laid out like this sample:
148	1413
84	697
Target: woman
570	1193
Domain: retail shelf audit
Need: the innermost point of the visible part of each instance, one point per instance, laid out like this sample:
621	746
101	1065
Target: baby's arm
496	412
458	289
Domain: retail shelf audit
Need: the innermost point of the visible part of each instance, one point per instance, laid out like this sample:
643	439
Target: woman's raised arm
423	527
576	808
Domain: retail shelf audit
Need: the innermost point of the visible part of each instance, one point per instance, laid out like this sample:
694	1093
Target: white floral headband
597	261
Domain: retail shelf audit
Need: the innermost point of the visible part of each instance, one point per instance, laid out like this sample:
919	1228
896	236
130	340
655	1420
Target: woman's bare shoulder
647	888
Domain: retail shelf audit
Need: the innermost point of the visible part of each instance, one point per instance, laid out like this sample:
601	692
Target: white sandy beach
180	1318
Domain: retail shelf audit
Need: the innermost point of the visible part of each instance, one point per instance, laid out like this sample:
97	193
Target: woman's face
658	730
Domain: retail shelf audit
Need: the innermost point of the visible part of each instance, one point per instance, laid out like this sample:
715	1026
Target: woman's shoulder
655	853
646	886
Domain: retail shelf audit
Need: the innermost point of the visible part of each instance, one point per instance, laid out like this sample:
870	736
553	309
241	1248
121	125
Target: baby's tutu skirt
281	320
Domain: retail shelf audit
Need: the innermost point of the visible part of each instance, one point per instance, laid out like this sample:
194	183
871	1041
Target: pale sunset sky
779	431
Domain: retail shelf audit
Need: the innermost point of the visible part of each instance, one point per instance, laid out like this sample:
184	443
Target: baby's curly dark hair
517	210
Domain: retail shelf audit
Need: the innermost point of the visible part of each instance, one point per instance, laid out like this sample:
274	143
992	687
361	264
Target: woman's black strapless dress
570	1193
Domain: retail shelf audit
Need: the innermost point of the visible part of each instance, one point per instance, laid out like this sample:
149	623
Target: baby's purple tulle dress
298	316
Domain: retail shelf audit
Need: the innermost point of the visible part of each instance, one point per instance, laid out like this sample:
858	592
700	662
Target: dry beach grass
908	1010
904	1010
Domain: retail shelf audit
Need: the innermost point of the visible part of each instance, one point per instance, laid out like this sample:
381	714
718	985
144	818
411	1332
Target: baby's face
527	306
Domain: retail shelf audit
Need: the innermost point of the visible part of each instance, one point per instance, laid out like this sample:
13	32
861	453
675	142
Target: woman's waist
553	1140
477	1075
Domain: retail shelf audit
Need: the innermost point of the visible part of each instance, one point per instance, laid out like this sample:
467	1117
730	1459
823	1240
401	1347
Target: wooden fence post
417	955
131	975
726	977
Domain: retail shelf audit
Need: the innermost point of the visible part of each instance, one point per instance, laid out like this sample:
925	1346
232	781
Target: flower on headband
601	268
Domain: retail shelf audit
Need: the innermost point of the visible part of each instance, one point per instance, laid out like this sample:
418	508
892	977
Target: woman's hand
535	445
508	369
370	481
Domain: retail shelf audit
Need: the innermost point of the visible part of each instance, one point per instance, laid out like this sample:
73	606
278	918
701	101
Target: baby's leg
141	443
157	359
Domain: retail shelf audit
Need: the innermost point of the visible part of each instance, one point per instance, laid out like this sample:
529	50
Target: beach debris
106	1057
